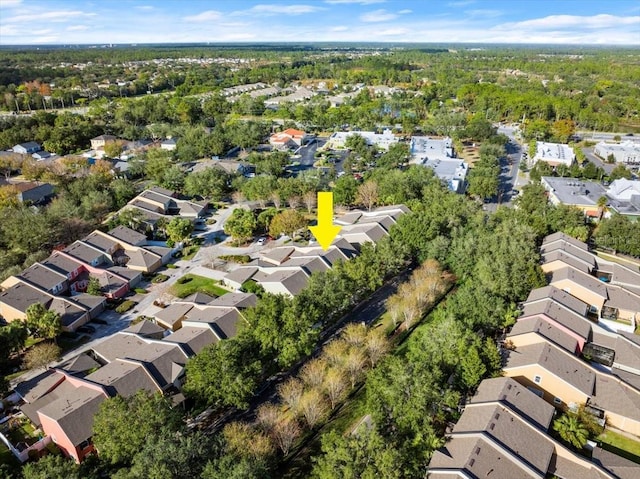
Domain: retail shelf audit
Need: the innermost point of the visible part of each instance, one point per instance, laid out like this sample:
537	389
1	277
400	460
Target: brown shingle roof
517	397
546	330
558	362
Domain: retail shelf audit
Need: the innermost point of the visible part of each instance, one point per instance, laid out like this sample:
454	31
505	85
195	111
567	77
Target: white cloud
405	11
462	3
378	16
52	16
77	28
206	16
46	39
10	3
272	9
361	2
340	28
144	7
554	22
394	32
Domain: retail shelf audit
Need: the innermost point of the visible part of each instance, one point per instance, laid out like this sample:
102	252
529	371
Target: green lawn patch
190	251
621	445
141	290
192	283
236	258
125	306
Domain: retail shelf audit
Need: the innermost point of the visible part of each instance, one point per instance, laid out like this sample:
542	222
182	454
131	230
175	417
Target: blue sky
155	21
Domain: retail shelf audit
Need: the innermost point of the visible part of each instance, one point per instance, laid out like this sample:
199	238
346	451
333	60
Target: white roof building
424	148
381	140
554	153
626	152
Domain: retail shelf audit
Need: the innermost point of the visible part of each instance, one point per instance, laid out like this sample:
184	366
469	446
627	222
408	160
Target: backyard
192	283
621	445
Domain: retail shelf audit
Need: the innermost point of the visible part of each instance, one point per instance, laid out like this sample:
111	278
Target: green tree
620	171
212	183
122	426
51	467
365	455
571	430
241	224
43	322
156	165
224	374
287	222
345	190
94	287
179	229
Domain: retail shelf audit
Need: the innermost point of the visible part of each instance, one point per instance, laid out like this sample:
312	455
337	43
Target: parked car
261	241
86	329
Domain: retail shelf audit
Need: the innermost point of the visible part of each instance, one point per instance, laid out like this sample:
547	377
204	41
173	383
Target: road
608	167
509	179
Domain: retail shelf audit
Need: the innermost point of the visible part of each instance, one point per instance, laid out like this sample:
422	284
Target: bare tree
267	416
277	201
368	194
309	199
294	202
290	392
313	372
244	440
39	355
286	432
335	352
335	386
394	307
354	334
237	197
410	311
376	346
354	363
313	407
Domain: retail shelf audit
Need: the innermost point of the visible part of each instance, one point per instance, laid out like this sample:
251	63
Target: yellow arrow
326	231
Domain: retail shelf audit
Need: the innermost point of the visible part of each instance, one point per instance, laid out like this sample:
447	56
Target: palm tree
571	430
602	206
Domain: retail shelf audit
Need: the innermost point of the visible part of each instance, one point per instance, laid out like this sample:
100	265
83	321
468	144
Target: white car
261	241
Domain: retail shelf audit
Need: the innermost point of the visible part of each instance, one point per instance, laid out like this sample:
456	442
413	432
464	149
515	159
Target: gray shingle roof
129	236
576	323
124	378
43	277
559	296
584	280
195	338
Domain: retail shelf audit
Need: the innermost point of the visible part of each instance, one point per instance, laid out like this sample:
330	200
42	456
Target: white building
554	153
424	148
626	152
381	140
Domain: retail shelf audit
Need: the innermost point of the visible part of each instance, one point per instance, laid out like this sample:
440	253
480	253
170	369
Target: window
537	379
557	400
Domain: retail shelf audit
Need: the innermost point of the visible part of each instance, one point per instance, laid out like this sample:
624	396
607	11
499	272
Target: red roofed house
288	138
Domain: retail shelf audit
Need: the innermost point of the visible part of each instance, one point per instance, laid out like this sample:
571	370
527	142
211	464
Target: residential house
582	194
27	148
624	198
99	142
504	433
233	167
34	193
170	144
554	154
156	203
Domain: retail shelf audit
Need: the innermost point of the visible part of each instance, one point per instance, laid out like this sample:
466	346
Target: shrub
160	278
171	266
141	290
125	306
184	279
236	258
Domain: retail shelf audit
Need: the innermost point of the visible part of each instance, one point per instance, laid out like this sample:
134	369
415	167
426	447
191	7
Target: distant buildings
624	198
554	153
626	152
289	138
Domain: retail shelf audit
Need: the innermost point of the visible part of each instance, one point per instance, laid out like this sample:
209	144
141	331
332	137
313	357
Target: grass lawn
621	445
197	284
6	457
190	251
